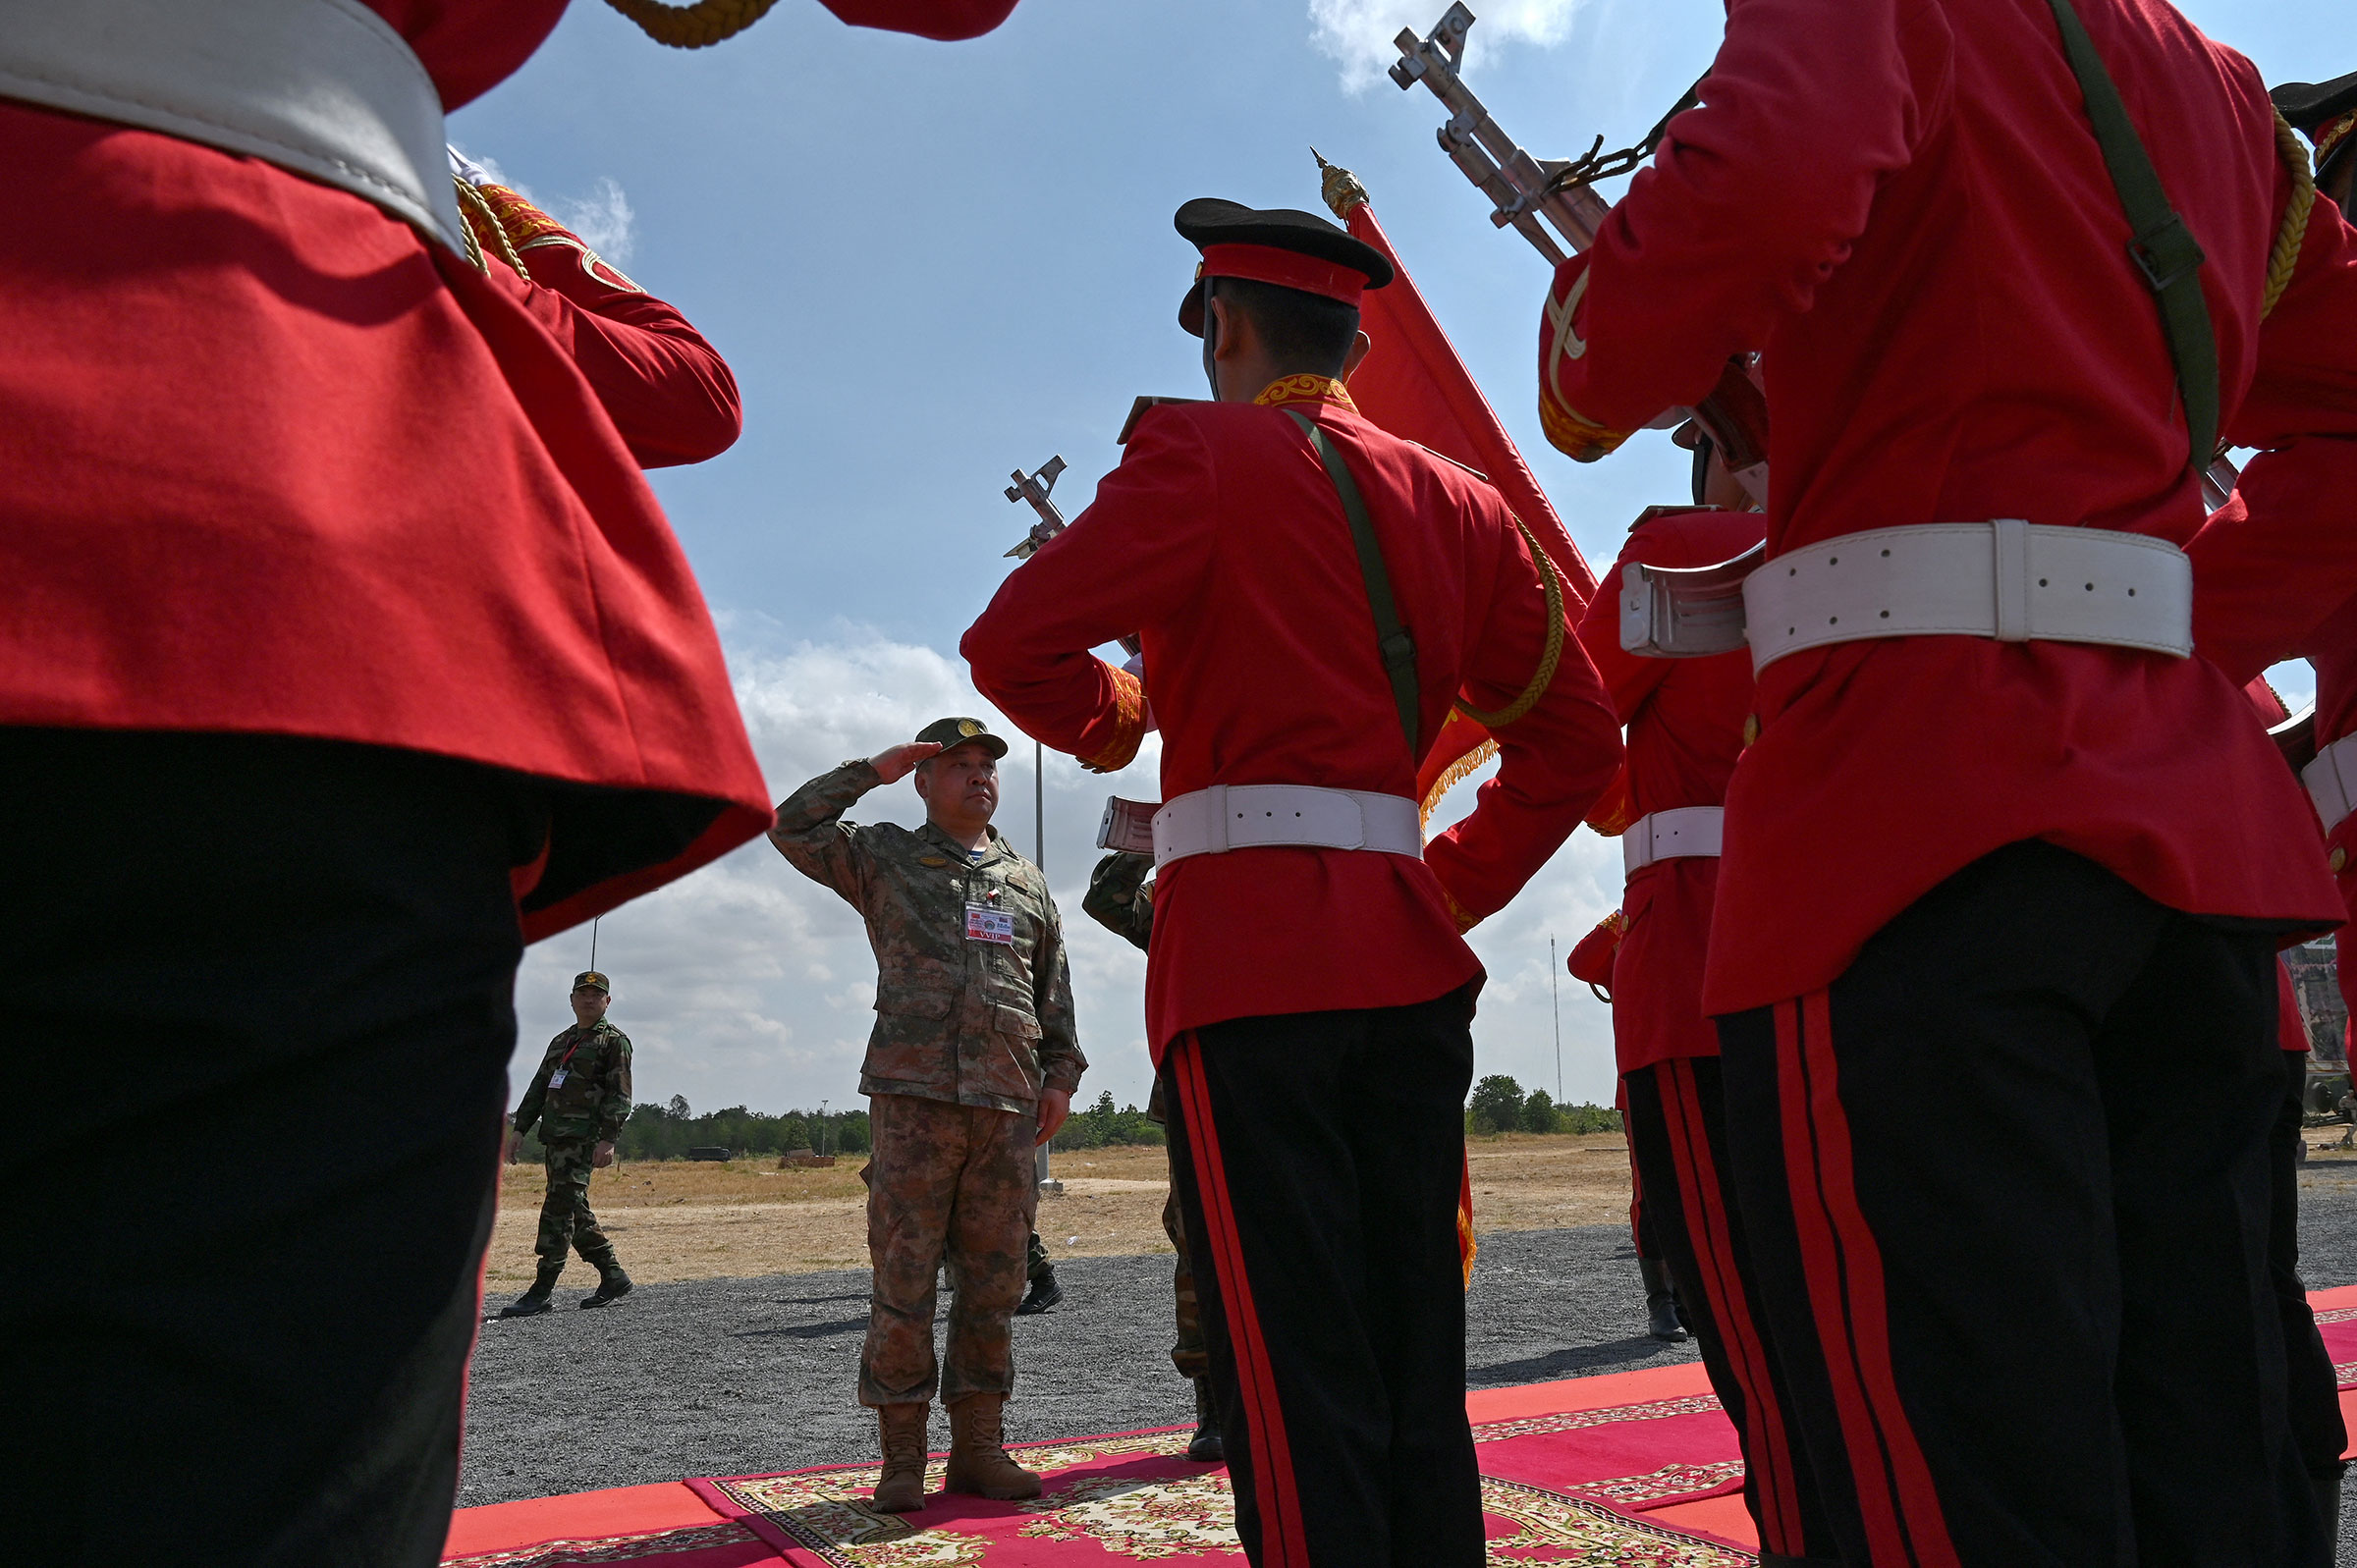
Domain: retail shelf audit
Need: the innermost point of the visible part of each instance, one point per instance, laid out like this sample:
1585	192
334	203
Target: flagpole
594	940
1556	985
1039	851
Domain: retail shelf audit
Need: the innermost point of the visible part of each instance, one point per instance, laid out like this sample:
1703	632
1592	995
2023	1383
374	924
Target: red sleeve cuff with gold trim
1116	734
1561	345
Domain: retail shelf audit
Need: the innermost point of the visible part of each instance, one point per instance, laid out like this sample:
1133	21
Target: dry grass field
671	1220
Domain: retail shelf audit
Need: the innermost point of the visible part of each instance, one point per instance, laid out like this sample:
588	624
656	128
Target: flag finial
1338	186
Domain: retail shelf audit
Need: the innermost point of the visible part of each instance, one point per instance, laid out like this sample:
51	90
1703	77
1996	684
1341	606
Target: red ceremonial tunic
273	463
1685	730
1221	542
2272	566
672	398
1903	204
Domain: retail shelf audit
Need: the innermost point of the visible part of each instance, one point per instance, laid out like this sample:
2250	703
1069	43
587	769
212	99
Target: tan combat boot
978	1462
901	1488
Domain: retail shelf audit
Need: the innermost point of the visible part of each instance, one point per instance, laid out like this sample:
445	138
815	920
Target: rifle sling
1396	647
2163	248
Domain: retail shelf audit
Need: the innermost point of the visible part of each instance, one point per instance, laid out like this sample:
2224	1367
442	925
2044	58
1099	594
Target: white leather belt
2005	580
2332	780
1225	817
323	87
1669	835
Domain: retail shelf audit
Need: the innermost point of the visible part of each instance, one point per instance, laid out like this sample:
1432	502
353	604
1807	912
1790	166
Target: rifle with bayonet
1034	487
1532	196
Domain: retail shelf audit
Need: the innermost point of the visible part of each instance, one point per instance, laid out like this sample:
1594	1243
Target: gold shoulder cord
2286	254
1544	676
473	199
692	26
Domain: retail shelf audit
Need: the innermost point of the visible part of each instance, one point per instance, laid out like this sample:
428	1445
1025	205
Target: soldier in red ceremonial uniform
2259	599
347	650
1310	593
1975	859
1686	721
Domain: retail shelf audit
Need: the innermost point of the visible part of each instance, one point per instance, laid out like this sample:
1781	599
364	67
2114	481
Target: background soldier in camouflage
972	1063
580	1097
1121	901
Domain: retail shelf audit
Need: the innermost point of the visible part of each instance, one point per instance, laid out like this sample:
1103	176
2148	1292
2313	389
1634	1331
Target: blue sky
929	264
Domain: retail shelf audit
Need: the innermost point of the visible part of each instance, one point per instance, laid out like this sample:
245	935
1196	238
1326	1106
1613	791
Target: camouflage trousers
564	1217
946	1182
1191	1355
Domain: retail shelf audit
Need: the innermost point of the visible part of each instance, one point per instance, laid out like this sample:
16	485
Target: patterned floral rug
2339	1326
1597	1486
1572	1486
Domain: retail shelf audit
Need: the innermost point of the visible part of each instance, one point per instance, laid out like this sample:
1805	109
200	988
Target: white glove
466	169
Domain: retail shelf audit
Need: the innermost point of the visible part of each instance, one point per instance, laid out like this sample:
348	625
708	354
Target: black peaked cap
1211	221
2313	105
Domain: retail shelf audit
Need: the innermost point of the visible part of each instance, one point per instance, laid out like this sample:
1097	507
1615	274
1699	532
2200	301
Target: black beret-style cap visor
1278	246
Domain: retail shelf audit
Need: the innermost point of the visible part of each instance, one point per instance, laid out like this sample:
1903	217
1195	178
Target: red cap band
1289	269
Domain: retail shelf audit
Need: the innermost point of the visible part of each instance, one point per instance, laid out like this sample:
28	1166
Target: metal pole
594	940
1039	804
1554	984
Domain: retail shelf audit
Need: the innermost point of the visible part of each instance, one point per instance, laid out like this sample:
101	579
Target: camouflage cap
594	980
948	733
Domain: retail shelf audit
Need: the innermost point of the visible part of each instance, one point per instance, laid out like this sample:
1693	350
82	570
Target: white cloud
748	983
603	219
1358	33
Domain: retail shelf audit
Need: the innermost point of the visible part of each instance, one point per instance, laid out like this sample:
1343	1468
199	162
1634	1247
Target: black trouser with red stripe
1677	1133
2314	1393
1318	1159
2007	1193
261	1000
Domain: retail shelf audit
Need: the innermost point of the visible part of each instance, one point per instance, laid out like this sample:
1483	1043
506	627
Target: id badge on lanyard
983	923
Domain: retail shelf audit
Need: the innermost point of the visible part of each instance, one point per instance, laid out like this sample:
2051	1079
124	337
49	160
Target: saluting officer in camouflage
972	1063
580	1097
1121	901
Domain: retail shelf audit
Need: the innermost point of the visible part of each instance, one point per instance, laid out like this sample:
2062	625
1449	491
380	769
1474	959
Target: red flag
1413	384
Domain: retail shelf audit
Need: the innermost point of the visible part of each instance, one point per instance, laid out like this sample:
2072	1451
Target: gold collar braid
692	26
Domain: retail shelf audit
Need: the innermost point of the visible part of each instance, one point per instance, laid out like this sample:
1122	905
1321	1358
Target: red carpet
1633	1469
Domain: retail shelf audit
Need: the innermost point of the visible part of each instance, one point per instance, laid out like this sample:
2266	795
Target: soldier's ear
1359	345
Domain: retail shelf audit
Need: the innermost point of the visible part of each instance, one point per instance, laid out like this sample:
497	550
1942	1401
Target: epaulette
1137	411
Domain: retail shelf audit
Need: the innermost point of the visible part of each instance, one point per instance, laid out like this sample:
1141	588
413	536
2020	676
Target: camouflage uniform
588	1109
967	1034
1121	901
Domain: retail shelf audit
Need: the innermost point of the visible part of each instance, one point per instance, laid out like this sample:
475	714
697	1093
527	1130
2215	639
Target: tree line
1499	1104
669	1131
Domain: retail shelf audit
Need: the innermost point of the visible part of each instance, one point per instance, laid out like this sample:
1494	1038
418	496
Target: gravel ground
732	1377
